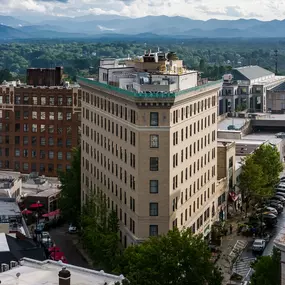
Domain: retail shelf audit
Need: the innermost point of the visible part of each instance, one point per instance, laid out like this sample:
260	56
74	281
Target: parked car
40	227
72	229
267	209
281	185
258	245
282	179
275	204
280	190
272	210
282	199
280	194
279	199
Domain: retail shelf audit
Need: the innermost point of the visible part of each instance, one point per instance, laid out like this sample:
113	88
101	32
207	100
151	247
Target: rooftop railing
145	94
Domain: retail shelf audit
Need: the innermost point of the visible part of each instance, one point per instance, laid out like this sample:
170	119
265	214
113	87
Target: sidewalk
232	246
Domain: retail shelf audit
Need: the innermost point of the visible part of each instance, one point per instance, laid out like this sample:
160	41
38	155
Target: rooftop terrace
145	95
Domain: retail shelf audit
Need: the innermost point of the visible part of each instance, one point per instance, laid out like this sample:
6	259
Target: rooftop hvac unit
228	77
4	267
13	264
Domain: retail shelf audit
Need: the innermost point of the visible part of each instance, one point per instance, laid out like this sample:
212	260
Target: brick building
45	76
38	127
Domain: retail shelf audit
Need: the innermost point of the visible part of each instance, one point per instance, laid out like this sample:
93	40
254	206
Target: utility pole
276	61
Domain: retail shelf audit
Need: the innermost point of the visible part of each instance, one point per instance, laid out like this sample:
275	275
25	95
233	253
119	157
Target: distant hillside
11	33
94	26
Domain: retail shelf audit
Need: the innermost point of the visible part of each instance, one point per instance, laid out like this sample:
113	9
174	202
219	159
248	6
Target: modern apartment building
149	144
276	99
39	125
245	88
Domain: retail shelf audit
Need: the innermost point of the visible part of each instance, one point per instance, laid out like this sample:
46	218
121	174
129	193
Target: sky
195	9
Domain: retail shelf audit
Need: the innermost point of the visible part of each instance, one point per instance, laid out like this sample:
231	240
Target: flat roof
237	122
9	207
34	272
3	243
151	95
47	193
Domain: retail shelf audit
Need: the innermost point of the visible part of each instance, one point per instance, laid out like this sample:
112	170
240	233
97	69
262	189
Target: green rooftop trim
145	95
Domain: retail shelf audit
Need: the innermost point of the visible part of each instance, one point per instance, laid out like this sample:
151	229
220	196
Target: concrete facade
154	157
246	88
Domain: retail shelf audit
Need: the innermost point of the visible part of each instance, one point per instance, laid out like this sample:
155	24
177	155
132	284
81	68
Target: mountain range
94	26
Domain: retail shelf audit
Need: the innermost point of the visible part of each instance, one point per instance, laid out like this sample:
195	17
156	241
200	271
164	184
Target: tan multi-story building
152	153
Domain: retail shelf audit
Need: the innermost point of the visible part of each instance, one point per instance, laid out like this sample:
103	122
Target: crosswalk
239	246
242	265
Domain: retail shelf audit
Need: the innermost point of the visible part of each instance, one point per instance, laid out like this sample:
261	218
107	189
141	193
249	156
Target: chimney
64	277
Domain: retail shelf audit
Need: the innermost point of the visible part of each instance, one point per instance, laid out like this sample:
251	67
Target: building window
51	115
35	100
153	209
51	101
42	154
68	116
50	141
68	142
59	101
59	116
154	141
59	155
25	166
43	128
43	101
51	129
34	128
68	101
34	154
154	119
34	115
17	152
153	230
26	127
153	186
26	115
25	140
68	155
26	100
18	100
50	154
43	141
43	115
154	164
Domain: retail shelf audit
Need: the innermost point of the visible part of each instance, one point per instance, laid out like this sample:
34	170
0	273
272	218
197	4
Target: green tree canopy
267	270
176	258
252	180
268	157
70	195
100	228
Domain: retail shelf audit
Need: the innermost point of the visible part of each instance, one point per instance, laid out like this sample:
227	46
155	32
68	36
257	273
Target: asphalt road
248	254
64	240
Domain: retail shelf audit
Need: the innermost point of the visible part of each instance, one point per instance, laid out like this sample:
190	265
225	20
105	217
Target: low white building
10	184
49	272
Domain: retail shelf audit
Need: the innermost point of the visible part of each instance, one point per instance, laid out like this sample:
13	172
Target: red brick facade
38	128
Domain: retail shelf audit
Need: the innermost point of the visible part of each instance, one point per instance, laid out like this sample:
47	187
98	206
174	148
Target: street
242	266
64	240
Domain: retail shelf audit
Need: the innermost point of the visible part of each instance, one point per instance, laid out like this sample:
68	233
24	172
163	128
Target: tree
267	270
179	257
268	157
70	195
100	228
252	181
5	75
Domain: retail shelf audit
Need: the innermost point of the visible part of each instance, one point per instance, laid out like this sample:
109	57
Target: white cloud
195	9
